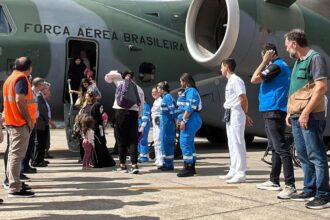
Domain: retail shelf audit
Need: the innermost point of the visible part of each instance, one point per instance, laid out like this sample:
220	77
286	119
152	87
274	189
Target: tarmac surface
64	191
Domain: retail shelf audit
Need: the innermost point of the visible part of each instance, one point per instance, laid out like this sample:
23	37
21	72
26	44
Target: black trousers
48	141
41	142
126	128
275	130
5	158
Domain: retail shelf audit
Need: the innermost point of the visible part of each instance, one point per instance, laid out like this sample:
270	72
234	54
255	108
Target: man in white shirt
236	108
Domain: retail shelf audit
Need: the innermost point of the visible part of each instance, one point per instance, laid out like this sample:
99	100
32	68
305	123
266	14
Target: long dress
75	73
101	156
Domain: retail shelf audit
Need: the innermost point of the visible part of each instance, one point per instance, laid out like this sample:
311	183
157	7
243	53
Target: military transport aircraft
158	40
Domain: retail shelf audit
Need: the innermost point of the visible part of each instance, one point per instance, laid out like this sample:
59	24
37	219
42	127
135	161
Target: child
104	118
87	125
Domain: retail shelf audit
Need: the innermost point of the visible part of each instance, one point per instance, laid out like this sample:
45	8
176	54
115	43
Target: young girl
87	125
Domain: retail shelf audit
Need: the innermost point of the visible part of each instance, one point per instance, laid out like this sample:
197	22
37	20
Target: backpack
127	94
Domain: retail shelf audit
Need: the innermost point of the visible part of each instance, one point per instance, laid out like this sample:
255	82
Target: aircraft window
155	14
4	24
147	72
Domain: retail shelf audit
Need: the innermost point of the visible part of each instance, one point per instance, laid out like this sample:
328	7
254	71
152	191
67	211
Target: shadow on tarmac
89	217
80	187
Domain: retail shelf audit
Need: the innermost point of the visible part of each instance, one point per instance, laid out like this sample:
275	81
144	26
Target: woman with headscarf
75	74
102	157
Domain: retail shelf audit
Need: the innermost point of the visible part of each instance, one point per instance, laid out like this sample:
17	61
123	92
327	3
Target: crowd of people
296	99
27	118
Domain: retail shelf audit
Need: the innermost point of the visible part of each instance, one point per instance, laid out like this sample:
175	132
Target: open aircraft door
88	52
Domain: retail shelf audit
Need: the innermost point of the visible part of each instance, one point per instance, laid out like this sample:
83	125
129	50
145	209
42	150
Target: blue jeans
311	152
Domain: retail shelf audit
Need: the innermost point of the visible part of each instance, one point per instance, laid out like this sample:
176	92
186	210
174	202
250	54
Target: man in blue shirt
273	75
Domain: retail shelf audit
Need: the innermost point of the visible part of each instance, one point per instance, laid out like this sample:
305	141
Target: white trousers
236	143
156	139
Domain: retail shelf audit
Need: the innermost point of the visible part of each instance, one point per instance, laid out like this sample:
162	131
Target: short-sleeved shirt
317	70
318	66
21	86
234	88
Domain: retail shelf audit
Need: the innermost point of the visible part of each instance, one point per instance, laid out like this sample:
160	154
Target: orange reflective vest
13	116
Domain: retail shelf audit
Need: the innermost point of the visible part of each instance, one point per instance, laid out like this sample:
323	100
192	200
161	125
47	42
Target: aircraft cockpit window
4	24
147	72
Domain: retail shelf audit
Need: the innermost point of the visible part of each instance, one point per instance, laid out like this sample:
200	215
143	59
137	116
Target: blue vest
273	94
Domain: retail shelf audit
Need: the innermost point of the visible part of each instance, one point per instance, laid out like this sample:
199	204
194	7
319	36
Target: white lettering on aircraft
103	34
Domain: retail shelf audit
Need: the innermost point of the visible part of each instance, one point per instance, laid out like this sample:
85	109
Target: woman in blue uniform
167	125
189	120
144	126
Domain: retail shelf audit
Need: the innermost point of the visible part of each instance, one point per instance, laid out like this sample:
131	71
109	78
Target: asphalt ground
64	191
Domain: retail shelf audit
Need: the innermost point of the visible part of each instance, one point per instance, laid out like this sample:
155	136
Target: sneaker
30	170
269	185
318	203
24	178
21	194
26	187
236	179
134	169
287	192
5	185
41	164
302	197
122	169
227	177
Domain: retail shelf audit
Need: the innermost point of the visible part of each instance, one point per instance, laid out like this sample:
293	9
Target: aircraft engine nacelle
212	29
218	29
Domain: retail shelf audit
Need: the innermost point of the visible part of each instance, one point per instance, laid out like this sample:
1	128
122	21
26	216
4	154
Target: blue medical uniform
167	129
143	143
189	101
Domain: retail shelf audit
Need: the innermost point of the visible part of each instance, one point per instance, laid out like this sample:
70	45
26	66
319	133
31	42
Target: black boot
186	171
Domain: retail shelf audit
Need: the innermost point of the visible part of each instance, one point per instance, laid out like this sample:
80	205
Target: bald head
23	64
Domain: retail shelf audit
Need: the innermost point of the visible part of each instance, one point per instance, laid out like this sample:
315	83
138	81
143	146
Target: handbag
299	100
226	117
